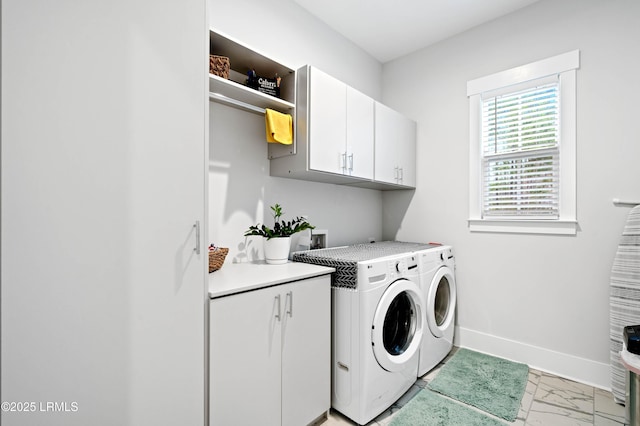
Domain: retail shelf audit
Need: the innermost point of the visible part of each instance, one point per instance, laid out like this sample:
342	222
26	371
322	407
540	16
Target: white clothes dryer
438	287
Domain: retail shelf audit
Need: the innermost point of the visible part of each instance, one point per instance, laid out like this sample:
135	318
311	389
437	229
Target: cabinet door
306	351
327	122
407	154
360	130
113	318
386	144
245	355
395	147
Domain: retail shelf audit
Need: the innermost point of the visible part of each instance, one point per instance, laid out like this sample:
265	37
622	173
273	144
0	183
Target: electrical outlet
319	239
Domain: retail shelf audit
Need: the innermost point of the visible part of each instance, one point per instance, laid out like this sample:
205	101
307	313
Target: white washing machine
377	331
377	324
438	287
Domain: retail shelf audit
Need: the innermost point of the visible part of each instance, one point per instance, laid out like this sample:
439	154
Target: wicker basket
219	65
216	258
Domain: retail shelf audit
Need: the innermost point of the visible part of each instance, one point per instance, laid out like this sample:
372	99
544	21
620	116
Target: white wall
240	186
539	299
287	33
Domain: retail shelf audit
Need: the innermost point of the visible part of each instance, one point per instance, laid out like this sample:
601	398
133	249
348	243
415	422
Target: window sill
552	227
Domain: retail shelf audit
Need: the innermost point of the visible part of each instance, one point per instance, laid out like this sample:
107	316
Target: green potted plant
277	240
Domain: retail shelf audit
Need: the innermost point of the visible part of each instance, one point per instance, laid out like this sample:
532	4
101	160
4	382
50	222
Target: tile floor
548	401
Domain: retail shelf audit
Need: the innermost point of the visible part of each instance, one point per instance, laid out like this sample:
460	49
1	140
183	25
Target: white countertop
238	277
629	360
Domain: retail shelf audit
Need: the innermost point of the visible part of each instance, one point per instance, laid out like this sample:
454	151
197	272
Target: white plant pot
276	250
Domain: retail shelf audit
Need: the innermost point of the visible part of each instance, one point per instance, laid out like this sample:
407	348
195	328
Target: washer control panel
390	269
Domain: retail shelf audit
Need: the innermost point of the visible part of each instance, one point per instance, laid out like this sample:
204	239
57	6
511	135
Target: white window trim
565	66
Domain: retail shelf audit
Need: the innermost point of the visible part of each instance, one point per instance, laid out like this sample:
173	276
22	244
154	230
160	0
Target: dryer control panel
446	254
406	264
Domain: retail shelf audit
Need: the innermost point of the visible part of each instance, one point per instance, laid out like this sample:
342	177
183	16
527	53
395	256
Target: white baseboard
581	370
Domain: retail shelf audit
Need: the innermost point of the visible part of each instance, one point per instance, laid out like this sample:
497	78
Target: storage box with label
270	86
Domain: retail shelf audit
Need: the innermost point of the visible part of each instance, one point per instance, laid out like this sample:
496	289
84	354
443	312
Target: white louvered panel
522	120
521	186
520	148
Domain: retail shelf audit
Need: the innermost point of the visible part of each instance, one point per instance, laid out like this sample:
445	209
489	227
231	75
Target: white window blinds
520	153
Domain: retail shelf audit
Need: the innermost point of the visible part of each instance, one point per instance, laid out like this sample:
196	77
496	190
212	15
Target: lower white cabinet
270	355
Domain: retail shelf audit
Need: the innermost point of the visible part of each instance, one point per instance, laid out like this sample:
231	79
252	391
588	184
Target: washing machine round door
441	301
397	325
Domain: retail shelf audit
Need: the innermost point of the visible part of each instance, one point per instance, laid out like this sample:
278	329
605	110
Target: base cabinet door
306	351
245	359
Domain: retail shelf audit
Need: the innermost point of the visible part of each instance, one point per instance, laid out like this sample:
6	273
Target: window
522	152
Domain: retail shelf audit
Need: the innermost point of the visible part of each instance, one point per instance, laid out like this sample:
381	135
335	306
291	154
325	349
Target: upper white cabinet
334	132
395	136
342	138
340	127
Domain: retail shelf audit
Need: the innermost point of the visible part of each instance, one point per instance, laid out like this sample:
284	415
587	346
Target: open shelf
235	94
242	59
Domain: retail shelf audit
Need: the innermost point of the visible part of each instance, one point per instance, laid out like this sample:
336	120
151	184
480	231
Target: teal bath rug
492	384
430	409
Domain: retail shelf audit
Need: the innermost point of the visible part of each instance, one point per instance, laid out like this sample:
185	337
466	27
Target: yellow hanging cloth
279	127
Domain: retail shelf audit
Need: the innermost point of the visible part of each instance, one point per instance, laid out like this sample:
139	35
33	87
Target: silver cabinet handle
343	161
290	299
278	311
401	169
197	226
351	162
